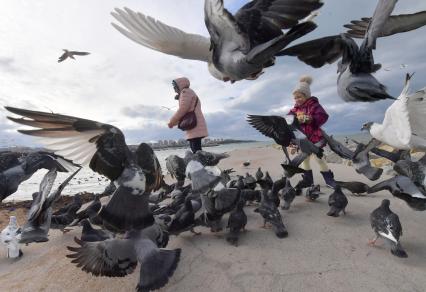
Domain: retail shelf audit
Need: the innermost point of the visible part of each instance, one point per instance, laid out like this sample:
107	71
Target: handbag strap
196	103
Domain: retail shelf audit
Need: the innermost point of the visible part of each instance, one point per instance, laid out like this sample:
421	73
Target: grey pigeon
288	194
259	174
355	81
76	201
313	192
176	167
292	166
414	170
71	54
184	219
119	257
386	225
284	134
359	157
103	148
38	223
271	214
249	181
403	188
240	46
16	167
89	212
354	187
337	202
237	221
90	234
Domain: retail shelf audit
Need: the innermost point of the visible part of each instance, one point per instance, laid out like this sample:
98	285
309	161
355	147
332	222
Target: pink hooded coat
187	99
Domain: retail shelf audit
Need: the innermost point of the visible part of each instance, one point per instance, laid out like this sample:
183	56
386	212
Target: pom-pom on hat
304	86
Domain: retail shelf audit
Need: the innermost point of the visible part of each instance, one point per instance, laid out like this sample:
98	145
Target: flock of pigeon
142	211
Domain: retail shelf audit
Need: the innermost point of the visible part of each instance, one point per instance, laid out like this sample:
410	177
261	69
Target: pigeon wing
44	190
154	34
86	142
111	258
318	52
274	127
395	24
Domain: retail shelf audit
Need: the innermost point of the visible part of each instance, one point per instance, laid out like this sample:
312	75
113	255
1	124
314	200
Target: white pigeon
403	126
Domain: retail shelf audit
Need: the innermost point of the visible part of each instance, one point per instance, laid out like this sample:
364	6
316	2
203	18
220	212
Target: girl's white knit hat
304	85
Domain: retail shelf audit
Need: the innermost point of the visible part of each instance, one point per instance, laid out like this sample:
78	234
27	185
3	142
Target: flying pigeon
355	81
403	188
71	54
119	257
386	225
355	187
38	223
16	167
103	148
240	45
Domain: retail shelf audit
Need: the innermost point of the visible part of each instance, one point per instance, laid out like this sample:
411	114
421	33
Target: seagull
16	167
38	223
355	81
71	54
283	133
393	25
119	257
240	46
403	124
103	148
386	225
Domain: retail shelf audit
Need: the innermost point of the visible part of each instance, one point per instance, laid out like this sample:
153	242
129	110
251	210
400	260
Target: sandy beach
321	253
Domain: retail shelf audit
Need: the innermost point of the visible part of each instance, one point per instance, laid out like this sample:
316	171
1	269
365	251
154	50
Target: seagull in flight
71	54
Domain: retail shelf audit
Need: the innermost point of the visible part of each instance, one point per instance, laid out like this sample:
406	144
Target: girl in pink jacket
311	116
189	101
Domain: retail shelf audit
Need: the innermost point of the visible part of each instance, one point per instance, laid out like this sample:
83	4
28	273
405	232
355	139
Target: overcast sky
125	84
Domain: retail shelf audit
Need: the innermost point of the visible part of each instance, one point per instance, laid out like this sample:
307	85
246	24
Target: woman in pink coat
189	101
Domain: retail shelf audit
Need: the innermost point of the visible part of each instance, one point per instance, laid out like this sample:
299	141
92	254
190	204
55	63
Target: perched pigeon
403	124
16	167
89	212
249	181
103	148
246	163
337	202
118	257
403	188
184	219
313	192
176	167
236	222
38	223
90	234
240	46
288	194
355	81
71	54
259	174
386	224
271	214
354	187
415	171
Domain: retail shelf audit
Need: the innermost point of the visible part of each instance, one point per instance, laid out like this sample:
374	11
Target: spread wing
111	257
274	127
86	142
154	34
